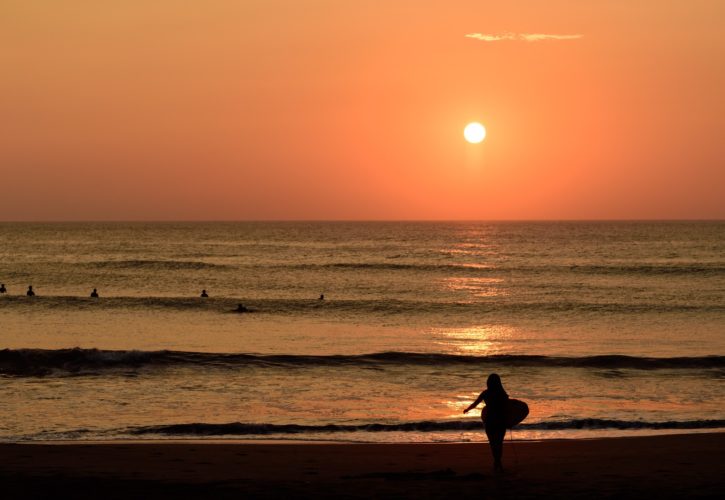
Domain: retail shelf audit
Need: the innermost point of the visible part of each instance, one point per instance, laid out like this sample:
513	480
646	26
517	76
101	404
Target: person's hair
493	384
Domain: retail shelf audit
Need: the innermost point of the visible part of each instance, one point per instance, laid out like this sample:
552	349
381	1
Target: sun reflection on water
475	286
475	340
460	402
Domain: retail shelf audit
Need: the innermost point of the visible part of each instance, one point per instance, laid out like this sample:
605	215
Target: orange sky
330	109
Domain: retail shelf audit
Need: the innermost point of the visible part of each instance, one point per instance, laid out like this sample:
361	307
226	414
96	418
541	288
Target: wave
306	432
172	265
395	266
263	429
653	269
467	268
77	361
356	306
494	268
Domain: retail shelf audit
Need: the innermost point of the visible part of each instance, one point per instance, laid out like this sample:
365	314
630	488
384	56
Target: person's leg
495	439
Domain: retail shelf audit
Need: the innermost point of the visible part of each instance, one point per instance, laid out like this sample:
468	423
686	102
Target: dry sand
672	466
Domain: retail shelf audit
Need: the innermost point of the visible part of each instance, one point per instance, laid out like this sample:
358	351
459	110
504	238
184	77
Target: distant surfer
204	294
495	423
30	292
94	294
241	309
2	288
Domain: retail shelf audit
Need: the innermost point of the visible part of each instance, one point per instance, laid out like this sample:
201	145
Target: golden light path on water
474	340
475	286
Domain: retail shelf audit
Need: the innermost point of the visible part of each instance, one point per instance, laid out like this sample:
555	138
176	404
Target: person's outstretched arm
474	404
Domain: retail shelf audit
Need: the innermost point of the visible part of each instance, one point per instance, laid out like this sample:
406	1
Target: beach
669	466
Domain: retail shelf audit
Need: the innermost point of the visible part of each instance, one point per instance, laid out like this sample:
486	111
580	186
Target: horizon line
161	221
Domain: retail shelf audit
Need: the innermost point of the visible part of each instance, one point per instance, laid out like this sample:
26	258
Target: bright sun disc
474	132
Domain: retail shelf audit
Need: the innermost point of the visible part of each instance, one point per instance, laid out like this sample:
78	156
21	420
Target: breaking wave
64	362
262	429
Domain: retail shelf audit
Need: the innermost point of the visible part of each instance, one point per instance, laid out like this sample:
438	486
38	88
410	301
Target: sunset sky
344	109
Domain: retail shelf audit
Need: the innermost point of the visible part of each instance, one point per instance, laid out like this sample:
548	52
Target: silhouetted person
241	309
30	292
2	288
322	296
496	398
94	294
204	294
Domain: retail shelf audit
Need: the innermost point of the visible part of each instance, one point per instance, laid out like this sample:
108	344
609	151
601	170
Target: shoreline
672	465
579	435
303	441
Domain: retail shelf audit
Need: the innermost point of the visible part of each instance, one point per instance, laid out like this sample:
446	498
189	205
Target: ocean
603	328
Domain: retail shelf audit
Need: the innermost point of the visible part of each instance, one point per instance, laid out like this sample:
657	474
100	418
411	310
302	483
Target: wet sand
671	466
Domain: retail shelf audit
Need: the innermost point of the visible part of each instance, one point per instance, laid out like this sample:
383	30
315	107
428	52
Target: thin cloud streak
525	37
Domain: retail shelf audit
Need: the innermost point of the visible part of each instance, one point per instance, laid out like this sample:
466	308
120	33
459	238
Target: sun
474	132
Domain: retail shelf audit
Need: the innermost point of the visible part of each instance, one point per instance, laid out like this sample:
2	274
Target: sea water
603	328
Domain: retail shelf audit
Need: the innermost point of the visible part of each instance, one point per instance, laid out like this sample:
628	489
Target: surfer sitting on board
495	419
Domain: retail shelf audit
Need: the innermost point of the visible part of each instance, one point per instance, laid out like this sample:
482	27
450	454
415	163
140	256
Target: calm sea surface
603	328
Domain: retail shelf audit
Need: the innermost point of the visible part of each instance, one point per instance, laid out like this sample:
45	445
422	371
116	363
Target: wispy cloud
524	37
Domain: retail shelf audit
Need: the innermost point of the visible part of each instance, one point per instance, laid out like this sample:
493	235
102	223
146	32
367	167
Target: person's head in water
493	383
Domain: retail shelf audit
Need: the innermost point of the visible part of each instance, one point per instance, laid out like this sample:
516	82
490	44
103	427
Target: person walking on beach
495	398
30	292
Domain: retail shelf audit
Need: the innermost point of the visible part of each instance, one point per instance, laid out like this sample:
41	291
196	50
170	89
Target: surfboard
516	412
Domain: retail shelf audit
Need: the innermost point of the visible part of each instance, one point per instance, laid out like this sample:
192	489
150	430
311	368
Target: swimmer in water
2	288
241	309
204	294
322	296
94	294
30	292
